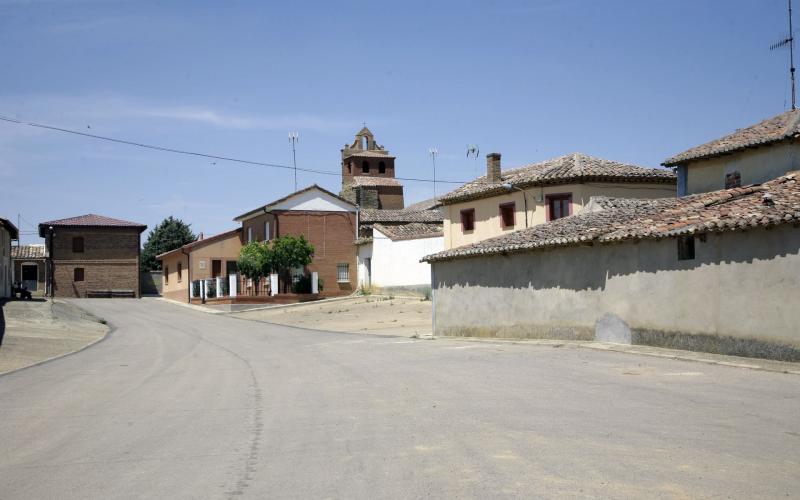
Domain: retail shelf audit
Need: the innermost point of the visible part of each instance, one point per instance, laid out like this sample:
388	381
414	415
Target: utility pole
433	152
294	137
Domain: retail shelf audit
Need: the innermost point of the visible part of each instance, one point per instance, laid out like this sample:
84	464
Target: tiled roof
10	227
575	167
90	220
370	154
411	231
363	180
772	203
201	243
28	252
428	204
270	205
369	215
784	126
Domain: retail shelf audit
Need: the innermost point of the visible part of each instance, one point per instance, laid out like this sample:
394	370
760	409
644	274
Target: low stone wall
740	295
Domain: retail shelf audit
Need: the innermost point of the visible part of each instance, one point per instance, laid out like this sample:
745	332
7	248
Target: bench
109	294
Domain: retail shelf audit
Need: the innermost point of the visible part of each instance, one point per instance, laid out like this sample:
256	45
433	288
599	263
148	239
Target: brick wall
391	197
110	261
256	224
332	235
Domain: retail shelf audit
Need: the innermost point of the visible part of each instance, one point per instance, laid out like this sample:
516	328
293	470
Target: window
343	273
77	244
267	232
733	180
686	248
507	214
230	267
166	275
381	168
468	219
365	167
77	274
297	273
180	271
249	234
559	205
350	167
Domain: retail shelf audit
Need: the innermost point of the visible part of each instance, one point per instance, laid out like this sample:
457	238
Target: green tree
170	234
289	252
254	260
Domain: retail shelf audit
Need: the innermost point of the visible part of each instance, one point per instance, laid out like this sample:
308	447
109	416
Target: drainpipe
189	272
509	187
433	300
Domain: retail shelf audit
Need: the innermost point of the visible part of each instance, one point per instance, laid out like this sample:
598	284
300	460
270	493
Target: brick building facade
92	255
327	221
368	174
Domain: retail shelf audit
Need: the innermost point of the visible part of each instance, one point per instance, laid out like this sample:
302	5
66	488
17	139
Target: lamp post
509	187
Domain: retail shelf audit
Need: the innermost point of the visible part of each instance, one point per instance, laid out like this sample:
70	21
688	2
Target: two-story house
751	155
501	202
92	256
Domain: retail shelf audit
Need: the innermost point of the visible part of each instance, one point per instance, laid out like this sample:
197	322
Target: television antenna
473	151
294	137
789	41
433	152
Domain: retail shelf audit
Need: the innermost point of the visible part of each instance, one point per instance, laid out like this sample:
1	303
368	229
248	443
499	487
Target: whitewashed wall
397	263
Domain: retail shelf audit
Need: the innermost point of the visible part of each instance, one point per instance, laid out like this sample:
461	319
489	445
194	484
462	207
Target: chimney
493	167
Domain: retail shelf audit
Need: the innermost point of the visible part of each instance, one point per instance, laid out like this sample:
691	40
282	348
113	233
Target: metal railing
229	287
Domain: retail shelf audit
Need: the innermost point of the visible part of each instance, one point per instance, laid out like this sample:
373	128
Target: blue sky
628	80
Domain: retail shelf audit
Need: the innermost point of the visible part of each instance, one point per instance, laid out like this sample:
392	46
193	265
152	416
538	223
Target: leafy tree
253	260
170	234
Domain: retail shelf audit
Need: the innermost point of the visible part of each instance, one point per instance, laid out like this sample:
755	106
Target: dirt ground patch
375	315
38	330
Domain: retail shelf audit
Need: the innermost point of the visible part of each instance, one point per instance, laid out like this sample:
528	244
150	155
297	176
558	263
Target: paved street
180	404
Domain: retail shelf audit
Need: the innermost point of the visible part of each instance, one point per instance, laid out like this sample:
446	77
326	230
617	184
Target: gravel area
39	330
405	317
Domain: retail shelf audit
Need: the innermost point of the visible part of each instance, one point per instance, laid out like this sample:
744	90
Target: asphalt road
181	404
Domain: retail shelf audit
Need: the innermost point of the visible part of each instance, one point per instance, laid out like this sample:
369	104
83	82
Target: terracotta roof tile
28	252
370	153
370	215
363	180
772	203
91	220
783	126
575	167
411	231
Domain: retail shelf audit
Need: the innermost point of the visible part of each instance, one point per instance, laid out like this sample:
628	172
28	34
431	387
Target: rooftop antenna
473	151
294	137
789	40
433	152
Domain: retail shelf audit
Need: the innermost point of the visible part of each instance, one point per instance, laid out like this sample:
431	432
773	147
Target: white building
392	244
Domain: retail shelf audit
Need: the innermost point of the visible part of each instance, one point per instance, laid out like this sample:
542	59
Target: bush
303	285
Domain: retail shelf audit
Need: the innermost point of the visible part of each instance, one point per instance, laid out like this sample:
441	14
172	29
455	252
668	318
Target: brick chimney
493	167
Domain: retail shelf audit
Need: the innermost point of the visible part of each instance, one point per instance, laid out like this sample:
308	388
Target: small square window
77	274
77	244
343	273
558	206
686	248
468	219
733	180
507	214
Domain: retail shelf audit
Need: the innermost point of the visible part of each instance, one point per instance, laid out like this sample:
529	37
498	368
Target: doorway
216	268
30	277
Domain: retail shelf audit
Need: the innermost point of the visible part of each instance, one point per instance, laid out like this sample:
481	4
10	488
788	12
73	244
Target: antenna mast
294	137
789	40
433	152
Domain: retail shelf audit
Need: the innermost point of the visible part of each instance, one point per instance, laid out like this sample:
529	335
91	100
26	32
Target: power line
195	153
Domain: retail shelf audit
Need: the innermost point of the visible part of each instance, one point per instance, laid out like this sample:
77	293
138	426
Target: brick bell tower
368	174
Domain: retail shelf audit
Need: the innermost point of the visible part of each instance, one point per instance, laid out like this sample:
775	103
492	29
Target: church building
368	174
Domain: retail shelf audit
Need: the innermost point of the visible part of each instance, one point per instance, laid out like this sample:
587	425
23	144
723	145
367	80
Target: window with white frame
343	273
297	273
267	232
250	234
